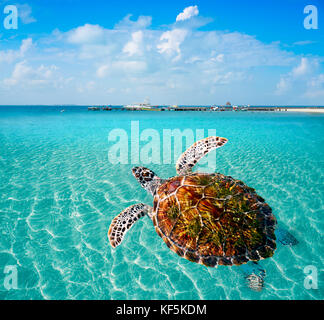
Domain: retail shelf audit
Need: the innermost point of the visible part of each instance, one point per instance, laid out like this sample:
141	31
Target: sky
200	52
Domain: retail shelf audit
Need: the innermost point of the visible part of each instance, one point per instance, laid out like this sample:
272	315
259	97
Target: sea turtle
211	219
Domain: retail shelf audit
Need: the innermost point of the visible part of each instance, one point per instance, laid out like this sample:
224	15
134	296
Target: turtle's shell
214	219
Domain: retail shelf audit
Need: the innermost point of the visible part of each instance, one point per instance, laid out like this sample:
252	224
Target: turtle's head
147	178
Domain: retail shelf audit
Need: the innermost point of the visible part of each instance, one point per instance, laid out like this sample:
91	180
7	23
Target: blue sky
174	52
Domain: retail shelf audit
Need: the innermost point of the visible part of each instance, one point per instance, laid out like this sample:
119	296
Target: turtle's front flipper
285	237
124	221
254	275
192	155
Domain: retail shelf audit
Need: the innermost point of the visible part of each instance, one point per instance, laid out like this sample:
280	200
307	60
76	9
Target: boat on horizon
142	106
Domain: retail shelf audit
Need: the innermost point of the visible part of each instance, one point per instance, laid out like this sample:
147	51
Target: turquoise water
59	192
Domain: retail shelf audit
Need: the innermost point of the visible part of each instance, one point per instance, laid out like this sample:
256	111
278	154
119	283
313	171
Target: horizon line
159	105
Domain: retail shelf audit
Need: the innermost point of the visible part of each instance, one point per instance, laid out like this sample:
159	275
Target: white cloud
102	71
93	51
315	87
87	87
12	55
317	81
131	66
26	44
141	23
218	58
303	43
27	75
169	62
86	34
298	79
227	77
283	86
303	68
128	67
135	46
188	13
120	68
170	41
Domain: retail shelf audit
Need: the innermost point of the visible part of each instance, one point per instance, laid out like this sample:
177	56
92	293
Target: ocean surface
59	191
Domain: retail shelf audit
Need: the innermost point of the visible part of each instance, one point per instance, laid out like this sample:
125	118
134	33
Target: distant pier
213	108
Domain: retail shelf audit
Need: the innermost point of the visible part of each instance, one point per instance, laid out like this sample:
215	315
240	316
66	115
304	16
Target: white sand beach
312	110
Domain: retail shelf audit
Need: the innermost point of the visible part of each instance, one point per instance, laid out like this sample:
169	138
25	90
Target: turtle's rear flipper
254	275
124	221
285	237
193	154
